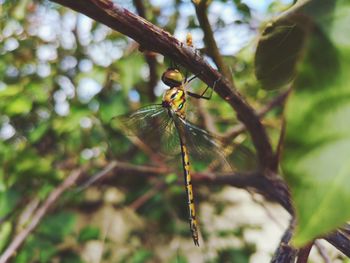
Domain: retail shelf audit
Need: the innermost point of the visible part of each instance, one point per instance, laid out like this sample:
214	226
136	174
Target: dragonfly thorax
175	100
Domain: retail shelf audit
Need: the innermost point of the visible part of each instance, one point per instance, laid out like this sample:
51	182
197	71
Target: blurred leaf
29	163
234	255
179	259
278	52
171	178
130	70
20	10
55	227
112	106
316	160
140	256
36	250
244	9
39	131
282	42
9	91
5	233
19	105
88	233
8	201
71	122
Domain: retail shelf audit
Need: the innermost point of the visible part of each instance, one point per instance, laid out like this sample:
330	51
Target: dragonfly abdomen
189	193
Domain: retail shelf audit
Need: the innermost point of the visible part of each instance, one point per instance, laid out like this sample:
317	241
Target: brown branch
277	101
340	241
39	214
210	43
272	188
285	253
304	252
155	39
113	169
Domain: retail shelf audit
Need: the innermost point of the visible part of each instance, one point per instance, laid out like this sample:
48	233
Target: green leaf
130	71
57	226
19	105
8	201
142	255
112	106
316	160
88	233
39	131
278	51
5	233
282	42
10	91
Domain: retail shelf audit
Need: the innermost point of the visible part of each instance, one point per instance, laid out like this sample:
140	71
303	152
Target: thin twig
109	168
304	252
115	167
39	214
285	253
209	40
136	204
277	101
280	144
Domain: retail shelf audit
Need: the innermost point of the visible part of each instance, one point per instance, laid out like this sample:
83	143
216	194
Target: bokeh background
63	77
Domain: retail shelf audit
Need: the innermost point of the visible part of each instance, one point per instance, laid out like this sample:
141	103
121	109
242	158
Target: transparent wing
204	148
208	150
152	125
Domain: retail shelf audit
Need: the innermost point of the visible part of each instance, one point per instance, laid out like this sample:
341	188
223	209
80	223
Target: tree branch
275	102
285	253
340	241
304	252
272	188
155	39
210	43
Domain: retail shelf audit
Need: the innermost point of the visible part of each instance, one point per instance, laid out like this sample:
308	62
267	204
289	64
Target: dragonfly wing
152	125
204	148
208	149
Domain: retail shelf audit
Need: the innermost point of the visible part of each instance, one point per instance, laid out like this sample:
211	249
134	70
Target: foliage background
62	78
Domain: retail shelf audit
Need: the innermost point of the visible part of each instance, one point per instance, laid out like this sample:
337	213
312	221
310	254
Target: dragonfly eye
173	96
172	77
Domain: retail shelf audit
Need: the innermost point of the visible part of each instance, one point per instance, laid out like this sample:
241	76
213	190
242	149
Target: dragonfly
166	126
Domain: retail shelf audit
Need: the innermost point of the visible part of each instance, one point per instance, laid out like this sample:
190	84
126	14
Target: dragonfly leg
202	95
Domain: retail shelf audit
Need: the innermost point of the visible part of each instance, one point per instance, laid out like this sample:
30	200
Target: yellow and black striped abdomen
189	192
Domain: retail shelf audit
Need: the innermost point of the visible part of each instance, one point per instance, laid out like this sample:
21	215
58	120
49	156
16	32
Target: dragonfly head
174	99
173	78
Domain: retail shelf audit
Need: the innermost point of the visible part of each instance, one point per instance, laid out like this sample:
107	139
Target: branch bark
155	39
